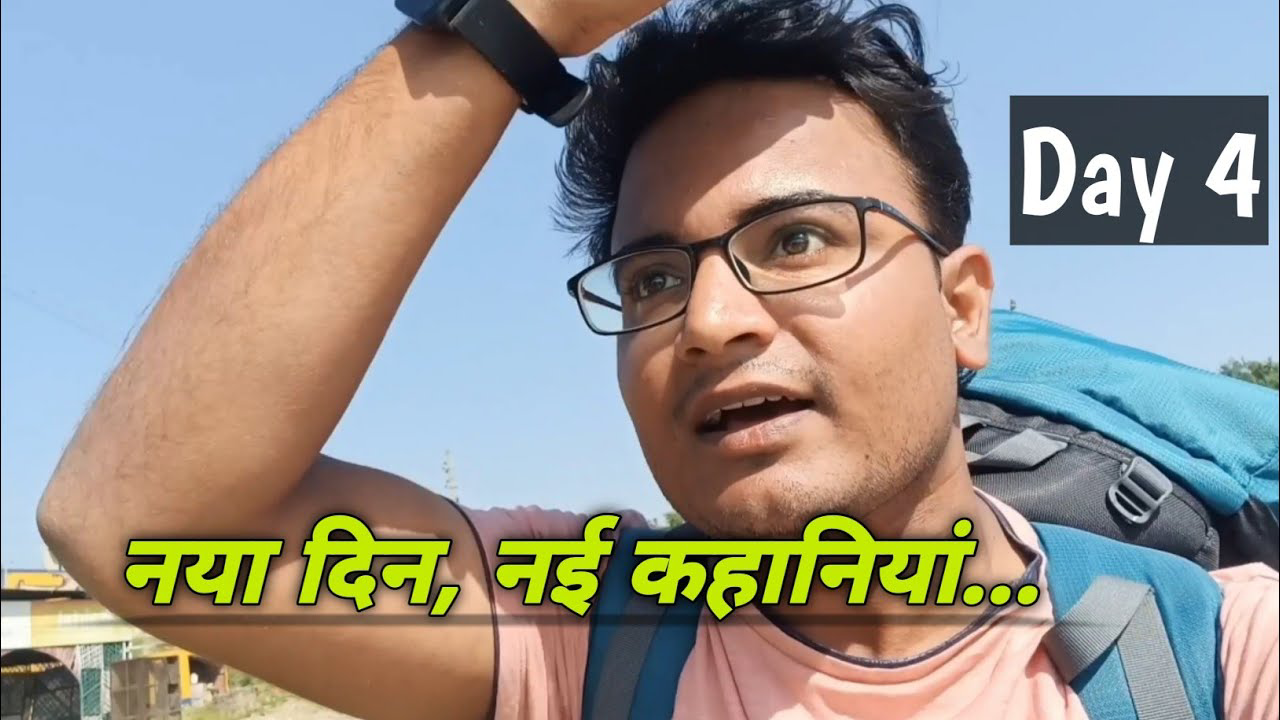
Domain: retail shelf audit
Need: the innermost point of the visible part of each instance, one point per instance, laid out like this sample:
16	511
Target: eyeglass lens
788	249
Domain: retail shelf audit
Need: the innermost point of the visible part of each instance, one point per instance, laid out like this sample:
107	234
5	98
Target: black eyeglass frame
696	249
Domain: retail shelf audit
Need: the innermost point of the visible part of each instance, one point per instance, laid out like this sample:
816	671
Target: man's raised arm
213	423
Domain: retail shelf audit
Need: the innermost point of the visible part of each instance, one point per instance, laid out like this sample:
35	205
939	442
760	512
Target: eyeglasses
794	248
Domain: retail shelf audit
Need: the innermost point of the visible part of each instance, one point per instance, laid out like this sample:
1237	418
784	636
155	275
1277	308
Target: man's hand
576	27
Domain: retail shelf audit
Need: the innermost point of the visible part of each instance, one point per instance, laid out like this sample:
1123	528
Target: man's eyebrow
755	210
647	241
766	205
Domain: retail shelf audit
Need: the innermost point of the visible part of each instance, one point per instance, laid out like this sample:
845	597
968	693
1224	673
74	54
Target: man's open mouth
754	411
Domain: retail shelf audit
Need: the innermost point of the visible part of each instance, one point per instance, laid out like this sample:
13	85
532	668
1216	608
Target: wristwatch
515	49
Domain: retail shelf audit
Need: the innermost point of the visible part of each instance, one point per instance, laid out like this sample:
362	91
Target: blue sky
126	125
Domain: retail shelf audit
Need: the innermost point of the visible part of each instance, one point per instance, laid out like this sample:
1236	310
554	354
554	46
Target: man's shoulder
1250	598
1254	577
1250	640
533	522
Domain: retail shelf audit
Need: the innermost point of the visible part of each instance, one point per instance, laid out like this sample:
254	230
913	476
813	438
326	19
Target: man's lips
752	416
743	405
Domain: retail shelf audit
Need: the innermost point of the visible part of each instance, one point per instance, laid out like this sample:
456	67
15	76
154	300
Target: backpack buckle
1139	492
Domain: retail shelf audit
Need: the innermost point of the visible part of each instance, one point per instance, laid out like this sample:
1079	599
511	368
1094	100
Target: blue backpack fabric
1074	430
1219	436
1135	471
1189	602
661	662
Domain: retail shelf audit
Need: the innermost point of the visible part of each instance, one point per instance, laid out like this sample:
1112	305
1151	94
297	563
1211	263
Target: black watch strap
506	39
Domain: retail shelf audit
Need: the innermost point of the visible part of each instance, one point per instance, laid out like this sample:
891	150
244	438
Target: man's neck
885	627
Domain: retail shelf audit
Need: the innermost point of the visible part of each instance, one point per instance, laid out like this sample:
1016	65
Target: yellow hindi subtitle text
728	574
837	552
577	572
199	576
732	573
340	557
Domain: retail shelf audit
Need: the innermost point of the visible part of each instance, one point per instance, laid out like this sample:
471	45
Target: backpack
1138	474
1070	429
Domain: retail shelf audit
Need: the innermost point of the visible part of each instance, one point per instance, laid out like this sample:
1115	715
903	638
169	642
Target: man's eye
799	241
654	282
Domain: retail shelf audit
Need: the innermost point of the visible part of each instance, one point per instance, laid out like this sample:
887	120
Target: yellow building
58	649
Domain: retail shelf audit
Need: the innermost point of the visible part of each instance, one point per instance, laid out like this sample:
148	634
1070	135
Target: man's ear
967	286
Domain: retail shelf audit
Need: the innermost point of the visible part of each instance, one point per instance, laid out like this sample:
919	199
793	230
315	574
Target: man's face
870	359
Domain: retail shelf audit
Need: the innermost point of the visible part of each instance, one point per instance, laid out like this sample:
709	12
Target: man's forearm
255	350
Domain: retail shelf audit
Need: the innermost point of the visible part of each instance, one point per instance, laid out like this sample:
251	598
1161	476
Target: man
803	363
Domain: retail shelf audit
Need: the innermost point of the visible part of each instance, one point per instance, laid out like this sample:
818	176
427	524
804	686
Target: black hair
680	50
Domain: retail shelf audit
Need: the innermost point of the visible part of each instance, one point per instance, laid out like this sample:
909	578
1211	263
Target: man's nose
724	320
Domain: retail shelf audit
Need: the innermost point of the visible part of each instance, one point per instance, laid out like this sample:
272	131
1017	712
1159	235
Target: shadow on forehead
735	150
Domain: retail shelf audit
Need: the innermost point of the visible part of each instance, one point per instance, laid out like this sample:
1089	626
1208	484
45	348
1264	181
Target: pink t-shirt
755	670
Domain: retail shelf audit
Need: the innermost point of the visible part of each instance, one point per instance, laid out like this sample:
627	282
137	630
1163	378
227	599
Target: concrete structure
58	647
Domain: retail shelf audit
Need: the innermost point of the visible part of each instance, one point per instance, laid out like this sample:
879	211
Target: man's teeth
716	415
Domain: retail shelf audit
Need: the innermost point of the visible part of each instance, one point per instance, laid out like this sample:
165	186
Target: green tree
671	519
1260	372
